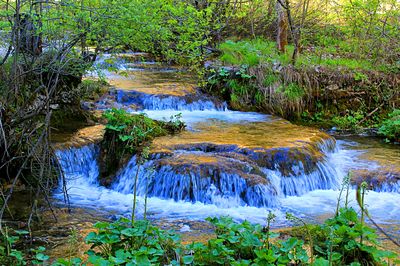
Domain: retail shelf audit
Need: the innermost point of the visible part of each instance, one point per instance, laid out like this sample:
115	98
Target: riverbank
327	93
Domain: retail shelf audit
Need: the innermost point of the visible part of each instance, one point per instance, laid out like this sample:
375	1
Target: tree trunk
282	29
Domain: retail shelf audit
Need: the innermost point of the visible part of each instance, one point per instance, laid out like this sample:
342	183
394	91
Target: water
240	164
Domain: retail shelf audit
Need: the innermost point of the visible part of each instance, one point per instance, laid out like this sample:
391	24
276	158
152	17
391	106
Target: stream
240	164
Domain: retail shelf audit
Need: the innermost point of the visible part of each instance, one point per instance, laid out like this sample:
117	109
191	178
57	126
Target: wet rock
380	180
83	137
276	145
234	164
381	170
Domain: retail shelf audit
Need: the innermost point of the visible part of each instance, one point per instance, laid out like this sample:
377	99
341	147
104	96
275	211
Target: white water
306	195
84	191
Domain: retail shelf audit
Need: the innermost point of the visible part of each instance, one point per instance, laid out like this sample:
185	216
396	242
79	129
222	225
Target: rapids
233	163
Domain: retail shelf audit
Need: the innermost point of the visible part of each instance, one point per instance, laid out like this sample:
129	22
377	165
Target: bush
349	121
391	127
251	52
134	130
121	243
127	134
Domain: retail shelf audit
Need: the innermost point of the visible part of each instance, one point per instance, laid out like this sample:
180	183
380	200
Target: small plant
243	72
132	130
390	128
293	91
127	134
9	255
140	243
349	121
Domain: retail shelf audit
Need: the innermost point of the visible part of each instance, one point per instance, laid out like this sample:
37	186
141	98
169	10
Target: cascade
228	163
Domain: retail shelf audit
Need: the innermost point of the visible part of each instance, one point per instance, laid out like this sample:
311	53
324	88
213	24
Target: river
240	164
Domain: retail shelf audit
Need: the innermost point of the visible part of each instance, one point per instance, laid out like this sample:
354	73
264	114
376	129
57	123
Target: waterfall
242	181
80	164
190	102
81	171
212	186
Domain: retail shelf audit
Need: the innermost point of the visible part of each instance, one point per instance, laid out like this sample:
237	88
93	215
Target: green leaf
188	259
17	254
101	225
42	257
22	232
129	232
321	262
143	260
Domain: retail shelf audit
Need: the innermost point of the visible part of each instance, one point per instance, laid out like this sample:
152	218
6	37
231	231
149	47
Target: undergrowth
127	134
342	240
334	54
390	128
329	85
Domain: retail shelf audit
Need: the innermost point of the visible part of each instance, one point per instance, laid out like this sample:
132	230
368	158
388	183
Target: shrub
121	243
127	134
349	121
391	127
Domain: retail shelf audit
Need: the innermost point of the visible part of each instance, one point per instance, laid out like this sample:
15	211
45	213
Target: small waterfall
190	102
80	162
81	171
230	181
389	187
183	192
195	184
325	177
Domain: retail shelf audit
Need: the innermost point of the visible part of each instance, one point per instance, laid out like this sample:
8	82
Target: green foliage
336	242
349	121
134	130
390	128
340	241
127	134
331	53
271	79
121	243
131	130
293	91
9	255
92	89
249	53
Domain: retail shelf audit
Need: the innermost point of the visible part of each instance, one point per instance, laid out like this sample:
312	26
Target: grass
334	56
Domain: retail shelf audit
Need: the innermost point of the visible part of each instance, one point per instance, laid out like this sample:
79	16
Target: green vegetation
261	51
328	85
341	240
334	63
127	134
9	255
344	239
132	131
390	128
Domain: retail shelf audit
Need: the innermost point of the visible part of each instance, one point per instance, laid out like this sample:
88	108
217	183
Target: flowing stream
232	163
